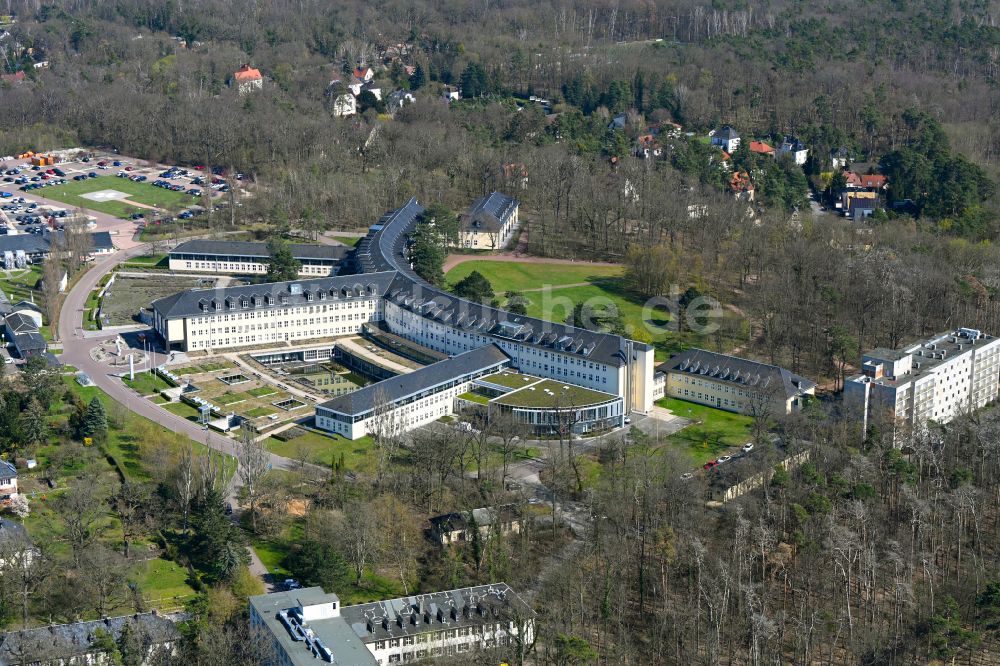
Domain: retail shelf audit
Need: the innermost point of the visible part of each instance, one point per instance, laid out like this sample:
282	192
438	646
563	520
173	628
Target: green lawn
229	398
517	276
258	411
146	383
261	391
510	379
714	432
164	583
563	395
143	193
149	261
183	409
324	449
19	284
348	240
475	397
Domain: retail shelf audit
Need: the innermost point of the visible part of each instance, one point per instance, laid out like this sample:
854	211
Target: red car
51	172
710	464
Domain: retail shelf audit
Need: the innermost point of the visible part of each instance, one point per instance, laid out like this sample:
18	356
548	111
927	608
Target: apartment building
246	258
268	313
309	626
490	222
734	384
408	401
936	379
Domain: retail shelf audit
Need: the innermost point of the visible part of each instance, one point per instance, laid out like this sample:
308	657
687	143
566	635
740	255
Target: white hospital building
248	258
936	380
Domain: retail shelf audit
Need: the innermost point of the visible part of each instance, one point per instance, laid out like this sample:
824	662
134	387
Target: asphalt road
76	352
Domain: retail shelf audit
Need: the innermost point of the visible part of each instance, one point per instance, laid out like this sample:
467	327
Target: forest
867	554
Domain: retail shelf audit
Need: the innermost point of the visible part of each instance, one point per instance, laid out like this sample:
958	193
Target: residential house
463	526
451	93
27	309
8	482
648	146
741	186
618	122
344	105
247	79
839	158
734	384
515	176
873	182
22	336
794	149
489	223
16	77
81	642
860	208
726	138
761	148
398	99
365	74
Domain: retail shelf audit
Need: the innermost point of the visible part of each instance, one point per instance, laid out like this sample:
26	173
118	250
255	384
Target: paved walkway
76	352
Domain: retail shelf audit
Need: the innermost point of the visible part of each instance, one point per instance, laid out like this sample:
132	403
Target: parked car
723	459
710	464
92	174
686	475
748	447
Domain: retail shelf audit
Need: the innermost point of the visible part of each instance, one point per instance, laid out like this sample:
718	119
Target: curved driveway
76	352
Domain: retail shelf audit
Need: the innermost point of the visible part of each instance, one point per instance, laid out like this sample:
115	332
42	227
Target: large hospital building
385	289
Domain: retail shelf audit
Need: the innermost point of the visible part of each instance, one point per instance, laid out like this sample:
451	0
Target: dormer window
284	299
269	300
244	303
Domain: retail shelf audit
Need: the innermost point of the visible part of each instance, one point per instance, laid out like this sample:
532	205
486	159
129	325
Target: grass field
350	241
715	431
127	295
517	276
146	383
160	260
323	450
142	193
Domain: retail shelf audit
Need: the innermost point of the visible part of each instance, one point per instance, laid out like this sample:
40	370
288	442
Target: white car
723	459
686	475
748	447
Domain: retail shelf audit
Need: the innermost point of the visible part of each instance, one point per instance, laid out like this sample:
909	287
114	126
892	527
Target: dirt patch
297	507
127	295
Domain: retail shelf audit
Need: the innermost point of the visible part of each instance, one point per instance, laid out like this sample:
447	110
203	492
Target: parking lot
119	194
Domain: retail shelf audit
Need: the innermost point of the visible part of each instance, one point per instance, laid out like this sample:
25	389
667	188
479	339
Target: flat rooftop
333	632
549	393
928	353
511	380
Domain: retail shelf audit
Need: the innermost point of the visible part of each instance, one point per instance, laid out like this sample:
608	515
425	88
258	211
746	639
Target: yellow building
734	384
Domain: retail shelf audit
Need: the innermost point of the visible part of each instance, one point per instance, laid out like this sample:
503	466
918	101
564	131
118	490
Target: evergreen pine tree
95	420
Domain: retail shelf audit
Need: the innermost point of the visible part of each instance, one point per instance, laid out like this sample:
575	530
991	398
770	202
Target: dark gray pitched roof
11	531
300	251
64	641
726	133
489	213
42	243
408	616
26	305
7	471
484	516
384	248
737	371
295	292
18	323
401	386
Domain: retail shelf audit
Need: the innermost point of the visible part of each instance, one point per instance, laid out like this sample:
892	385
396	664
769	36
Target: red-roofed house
741	186
868	181
364	73
761	148
17	77
648	147
248	79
